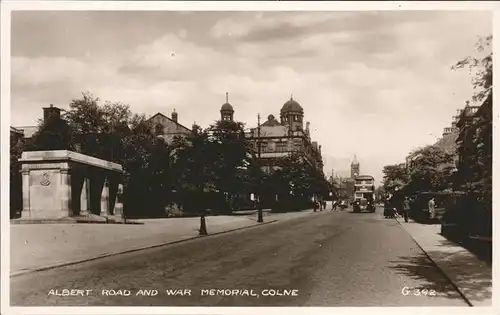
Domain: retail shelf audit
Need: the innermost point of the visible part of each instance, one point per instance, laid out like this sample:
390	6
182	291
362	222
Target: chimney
195	127
174	116
51	113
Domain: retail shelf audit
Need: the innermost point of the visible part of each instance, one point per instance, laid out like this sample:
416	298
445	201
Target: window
271	145
159	129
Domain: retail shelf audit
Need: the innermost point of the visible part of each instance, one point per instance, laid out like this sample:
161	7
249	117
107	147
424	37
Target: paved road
329	258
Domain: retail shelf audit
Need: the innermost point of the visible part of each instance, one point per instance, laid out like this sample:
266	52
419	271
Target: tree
482	67
295	182
52	134
16	196
395	176
193	175
99	129
476	179
232	158
432	170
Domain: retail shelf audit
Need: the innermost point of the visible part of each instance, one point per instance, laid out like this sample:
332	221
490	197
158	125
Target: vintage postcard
311	156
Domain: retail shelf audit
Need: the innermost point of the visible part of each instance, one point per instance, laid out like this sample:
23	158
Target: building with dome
226	111
287	136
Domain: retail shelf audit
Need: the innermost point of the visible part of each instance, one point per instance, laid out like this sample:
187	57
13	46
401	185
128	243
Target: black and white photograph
260	157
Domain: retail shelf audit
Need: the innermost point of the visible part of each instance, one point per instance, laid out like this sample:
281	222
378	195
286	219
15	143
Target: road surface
325	259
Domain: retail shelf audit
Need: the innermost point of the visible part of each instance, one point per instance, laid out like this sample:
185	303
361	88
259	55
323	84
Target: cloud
371	83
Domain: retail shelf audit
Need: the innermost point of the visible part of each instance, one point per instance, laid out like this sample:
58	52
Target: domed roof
227	107
292	106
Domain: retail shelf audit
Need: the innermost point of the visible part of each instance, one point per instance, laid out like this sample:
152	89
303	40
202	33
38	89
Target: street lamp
259	207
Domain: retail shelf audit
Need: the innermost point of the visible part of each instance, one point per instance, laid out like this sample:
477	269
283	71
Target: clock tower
354	168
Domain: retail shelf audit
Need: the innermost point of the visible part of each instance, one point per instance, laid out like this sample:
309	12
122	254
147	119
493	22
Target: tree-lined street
237	210
331	258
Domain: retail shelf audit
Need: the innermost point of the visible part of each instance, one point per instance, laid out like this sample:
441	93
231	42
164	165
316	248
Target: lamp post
259	207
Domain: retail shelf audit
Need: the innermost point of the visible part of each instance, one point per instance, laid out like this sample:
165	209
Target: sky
375	84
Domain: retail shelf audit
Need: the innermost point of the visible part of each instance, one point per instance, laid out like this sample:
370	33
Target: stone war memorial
68	186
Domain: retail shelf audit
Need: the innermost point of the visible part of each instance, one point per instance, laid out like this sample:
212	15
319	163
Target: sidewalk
41	246
471	276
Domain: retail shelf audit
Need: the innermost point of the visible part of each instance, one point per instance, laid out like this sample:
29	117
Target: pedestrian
334	205
432	208
406	208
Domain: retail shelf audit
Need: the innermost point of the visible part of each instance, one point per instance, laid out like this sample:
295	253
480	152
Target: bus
364	193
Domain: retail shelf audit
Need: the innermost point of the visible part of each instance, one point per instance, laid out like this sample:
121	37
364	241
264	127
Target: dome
292	106
227	107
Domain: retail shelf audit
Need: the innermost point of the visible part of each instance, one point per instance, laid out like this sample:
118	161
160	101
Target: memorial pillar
105	199
26	212
113	181
85	198
77	186
66	205
95	192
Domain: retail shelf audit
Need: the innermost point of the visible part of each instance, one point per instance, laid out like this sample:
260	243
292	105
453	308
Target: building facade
465	142
167	128
278	139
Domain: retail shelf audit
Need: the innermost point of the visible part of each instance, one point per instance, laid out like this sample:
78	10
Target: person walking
432	208
406	208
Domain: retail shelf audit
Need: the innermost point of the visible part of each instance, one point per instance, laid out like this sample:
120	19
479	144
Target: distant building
447	142
285	137
167	128
16	134
345	186
354	168
27	132
465	144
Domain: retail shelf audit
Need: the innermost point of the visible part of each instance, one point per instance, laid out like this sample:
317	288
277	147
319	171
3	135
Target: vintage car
363	204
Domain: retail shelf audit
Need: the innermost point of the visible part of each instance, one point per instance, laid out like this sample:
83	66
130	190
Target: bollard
203	226
259	215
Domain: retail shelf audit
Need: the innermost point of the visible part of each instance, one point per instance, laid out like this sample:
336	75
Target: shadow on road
475	286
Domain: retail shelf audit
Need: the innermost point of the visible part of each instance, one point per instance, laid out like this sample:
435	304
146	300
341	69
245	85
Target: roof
292	106
271	121
365	177
227	107
28	131
13	129
168	119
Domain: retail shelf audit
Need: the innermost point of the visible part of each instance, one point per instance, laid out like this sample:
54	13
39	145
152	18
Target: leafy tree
191	166
147	162
476	175
395	176
16	197
99	129
482	68
295	182
482	151
52	134
432	170
231	159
